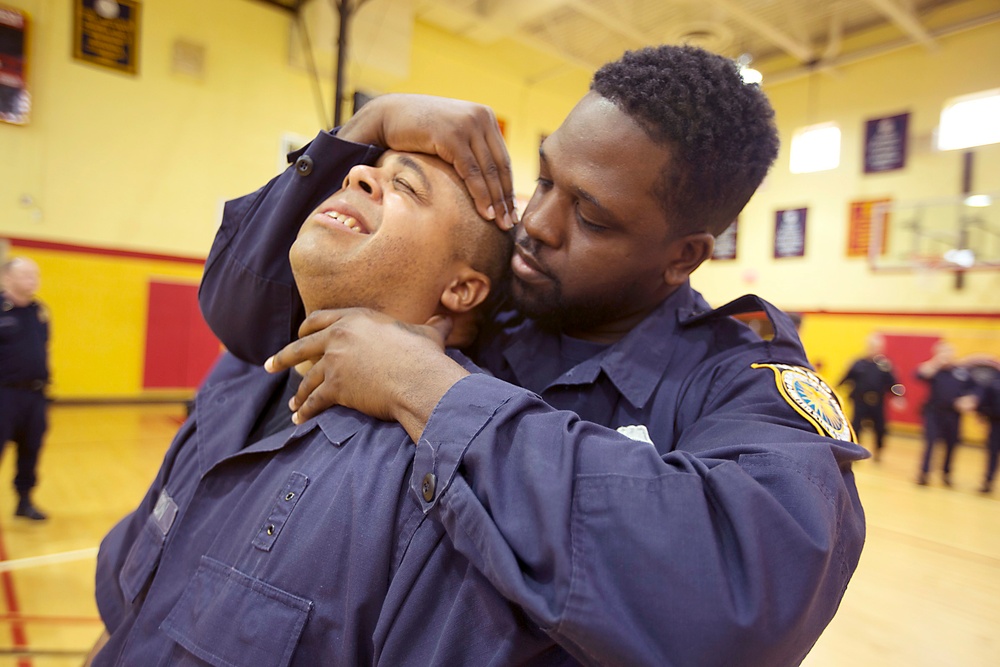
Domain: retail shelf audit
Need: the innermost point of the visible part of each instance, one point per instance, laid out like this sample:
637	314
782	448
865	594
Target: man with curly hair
647	479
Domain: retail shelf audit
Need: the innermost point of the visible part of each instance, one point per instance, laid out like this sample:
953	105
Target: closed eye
403	185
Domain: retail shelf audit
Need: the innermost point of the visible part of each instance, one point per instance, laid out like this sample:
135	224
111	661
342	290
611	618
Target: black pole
344	10
963	232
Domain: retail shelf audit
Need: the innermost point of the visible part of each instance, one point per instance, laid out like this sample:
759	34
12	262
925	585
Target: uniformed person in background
872	380
988	405
24	374
948	381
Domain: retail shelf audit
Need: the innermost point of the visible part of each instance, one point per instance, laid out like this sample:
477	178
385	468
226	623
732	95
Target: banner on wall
106	33
15	101
790	233
861	219
885	143
725	243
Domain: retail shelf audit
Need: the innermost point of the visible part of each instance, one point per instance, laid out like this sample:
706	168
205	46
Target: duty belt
27	385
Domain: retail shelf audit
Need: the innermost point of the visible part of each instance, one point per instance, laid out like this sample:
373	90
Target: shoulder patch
813	399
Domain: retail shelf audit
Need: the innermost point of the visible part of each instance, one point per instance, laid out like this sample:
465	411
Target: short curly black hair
719	131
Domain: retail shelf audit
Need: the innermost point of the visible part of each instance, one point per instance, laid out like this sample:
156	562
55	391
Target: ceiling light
978	201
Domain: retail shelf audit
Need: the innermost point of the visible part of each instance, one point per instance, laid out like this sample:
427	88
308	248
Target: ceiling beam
802	52
906	20
623	28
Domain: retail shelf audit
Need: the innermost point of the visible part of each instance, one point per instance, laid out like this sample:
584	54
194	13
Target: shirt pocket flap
141	561
230	619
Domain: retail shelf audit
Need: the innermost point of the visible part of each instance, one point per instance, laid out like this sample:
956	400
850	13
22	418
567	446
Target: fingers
309	348
312	396
501	160
484	165
442	326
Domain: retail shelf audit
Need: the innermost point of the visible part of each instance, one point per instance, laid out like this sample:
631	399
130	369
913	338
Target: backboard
948	233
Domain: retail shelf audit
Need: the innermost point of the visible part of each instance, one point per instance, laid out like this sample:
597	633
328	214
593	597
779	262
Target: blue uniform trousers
993	447
875	414
939	425
22	419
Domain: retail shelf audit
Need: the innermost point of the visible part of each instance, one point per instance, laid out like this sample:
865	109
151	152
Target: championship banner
790	233
863	215
106	33
725	243
15	101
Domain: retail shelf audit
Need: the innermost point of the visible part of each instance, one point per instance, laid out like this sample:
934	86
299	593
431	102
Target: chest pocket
228	619
9	327
145	553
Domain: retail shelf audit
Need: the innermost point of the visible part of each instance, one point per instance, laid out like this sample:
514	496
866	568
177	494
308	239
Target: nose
366	178
542	219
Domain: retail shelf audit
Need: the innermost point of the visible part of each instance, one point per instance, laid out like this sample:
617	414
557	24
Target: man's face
385	240
22	280
591	253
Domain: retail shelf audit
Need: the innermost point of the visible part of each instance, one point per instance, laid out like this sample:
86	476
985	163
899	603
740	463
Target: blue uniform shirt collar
635	364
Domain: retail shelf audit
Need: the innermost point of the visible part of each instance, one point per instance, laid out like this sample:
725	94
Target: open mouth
349	222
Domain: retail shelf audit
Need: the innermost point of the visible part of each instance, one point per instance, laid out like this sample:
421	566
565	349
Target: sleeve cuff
458	418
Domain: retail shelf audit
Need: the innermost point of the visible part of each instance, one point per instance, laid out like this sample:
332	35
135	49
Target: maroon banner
790	233
885	143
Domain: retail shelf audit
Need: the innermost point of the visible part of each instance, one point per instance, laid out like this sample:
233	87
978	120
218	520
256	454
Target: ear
685	254
467	289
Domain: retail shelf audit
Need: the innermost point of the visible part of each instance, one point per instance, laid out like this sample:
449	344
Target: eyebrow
583	194
409	163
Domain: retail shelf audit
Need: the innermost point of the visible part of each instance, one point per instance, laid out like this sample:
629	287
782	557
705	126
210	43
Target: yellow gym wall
143	163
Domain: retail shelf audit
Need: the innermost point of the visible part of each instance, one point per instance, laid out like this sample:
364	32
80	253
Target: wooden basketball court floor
927	591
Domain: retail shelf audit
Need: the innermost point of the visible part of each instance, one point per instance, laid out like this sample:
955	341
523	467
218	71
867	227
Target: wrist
417	401
366	126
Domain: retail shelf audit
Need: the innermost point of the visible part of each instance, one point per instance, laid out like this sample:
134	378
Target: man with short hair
261	543
871	379
24	374
649	480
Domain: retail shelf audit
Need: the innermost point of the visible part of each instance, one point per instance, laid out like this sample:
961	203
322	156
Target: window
815	148
970	120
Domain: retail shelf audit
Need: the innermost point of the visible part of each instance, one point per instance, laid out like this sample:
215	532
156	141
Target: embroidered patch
636	432
813	399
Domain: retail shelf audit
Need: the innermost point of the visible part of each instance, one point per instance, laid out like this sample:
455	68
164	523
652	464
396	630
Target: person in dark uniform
987	404
649	480
948	381
24	374
872	380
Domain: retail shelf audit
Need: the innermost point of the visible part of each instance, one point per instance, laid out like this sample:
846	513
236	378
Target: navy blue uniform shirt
870	381
304	548
683	497
945	386
24	337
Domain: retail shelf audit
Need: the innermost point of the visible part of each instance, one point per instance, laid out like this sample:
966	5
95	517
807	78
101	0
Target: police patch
813	399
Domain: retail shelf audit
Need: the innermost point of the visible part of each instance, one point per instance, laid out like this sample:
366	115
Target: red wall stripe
107	252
